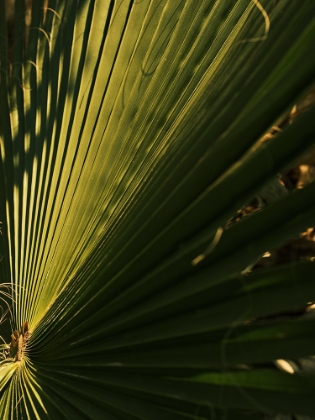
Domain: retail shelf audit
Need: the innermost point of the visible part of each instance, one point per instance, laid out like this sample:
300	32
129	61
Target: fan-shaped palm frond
132	131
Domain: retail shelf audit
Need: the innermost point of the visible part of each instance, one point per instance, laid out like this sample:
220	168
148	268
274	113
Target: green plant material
131	132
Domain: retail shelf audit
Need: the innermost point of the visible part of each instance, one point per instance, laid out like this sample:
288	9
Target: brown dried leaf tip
18	342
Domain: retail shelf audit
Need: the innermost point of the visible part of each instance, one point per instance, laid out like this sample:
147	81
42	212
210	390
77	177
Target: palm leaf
131	134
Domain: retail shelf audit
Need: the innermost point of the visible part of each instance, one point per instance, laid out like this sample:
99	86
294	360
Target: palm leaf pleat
131	133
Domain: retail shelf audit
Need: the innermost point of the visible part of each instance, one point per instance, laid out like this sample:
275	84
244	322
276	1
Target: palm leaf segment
128	133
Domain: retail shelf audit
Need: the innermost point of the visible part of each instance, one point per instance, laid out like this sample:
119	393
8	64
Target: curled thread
209	248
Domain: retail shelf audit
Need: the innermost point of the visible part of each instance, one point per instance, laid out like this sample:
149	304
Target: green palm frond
131	134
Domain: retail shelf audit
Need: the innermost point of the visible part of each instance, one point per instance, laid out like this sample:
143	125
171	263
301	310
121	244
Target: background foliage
134	136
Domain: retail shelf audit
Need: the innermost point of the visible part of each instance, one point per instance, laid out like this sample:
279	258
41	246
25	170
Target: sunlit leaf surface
131	133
